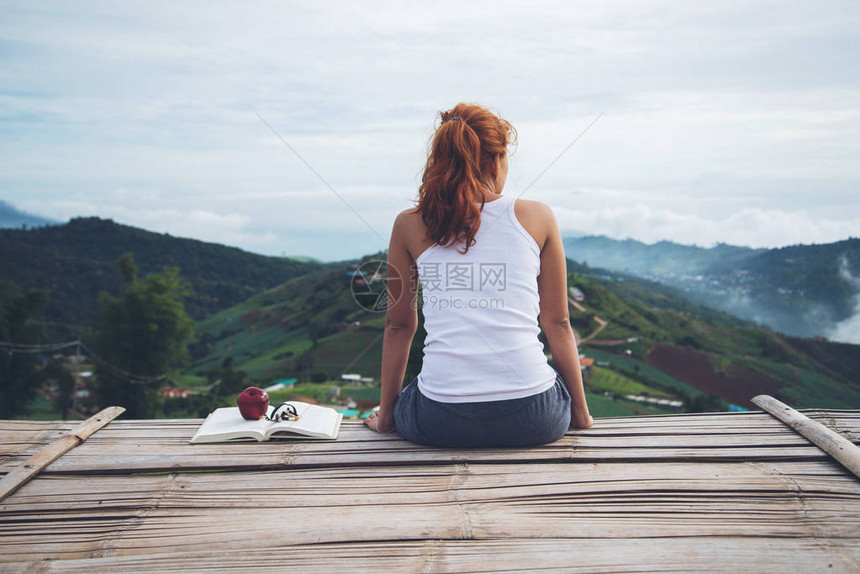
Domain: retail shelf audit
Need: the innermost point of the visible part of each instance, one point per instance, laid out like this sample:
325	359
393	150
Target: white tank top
481	314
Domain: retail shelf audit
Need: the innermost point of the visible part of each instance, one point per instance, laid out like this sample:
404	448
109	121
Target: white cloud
848	330
229	229
725	122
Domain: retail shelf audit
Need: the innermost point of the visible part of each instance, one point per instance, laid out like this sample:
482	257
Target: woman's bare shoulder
536	217
408	220
533	208
410	230
409	213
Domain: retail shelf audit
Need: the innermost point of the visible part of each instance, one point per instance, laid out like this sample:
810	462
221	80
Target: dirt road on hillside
601	323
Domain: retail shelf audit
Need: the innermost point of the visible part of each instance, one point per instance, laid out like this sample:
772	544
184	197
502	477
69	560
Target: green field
601	406
642	371
603	379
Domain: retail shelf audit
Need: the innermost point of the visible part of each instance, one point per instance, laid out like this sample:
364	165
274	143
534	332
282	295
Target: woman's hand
580	420
379	422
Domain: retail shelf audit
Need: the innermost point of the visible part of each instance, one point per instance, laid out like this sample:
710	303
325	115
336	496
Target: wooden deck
679	493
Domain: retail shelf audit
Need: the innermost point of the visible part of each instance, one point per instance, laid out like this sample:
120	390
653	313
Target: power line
36	349
132	378
33	348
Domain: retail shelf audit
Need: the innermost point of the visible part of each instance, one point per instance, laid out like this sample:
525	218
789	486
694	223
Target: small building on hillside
280	384
173	392
577	295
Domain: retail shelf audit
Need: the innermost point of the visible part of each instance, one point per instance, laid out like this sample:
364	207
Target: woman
489	264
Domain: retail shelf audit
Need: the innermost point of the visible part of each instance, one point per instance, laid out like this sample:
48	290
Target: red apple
253	403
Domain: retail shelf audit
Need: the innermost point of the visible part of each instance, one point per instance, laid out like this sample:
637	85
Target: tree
304	363
18	375
229	382
223	382
142	338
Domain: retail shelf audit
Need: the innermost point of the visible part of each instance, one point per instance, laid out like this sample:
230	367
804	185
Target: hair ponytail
462	158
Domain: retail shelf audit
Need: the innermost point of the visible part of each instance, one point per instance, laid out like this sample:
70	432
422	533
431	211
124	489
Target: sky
301	128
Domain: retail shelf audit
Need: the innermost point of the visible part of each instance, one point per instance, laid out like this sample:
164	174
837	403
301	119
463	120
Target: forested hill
802	290
644	338
77	260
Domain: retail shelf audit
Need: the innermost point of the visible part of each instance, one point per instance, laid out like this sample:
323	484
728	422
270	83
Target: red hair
462	160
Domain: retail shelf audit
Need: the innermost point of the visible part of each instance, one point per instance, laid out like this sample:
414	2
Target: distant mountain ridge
11	217
658	259
77	260
801	290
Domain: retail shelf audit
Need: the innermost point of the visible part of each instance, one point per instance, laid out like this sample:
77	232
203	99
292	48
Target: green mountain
802	290
277	318
710	351
309	325
651	343
77	260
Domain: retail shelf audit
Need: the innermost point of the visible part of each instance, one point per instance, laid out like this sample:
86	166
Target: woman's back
481	310
489	265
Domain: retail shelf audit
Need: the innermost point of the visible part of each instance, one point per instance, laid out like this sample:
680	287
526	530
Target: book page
227	423
314	421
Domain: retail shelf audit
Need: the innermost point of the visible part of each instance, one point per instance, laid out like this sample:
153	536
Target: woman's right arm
555	317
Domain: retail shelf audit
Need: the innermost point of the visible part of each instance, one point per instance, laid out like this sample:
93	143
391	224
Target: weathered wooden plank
728	554
148	457
21	439
831	442
66	517
721	492
33	465
760	427
224	489
162	445
148	454
301	458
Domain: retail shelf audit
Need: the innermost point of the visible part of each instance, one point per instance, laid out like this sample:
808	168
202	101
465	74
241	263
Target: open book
226	424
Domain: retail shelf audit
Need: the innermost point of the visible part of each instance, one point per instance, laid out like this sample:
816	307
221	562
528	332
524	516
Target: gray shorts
528	421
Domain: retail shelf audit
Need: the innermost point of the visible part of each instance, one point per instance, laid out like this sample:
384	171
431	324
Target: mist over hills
801	290
11	217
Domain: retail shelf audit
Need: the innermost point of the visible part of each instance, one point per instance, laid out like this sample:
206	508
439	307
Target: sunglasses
284	412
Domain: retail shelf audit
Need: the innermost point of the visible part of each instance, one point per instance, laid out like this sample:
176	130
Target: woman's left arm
401	322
